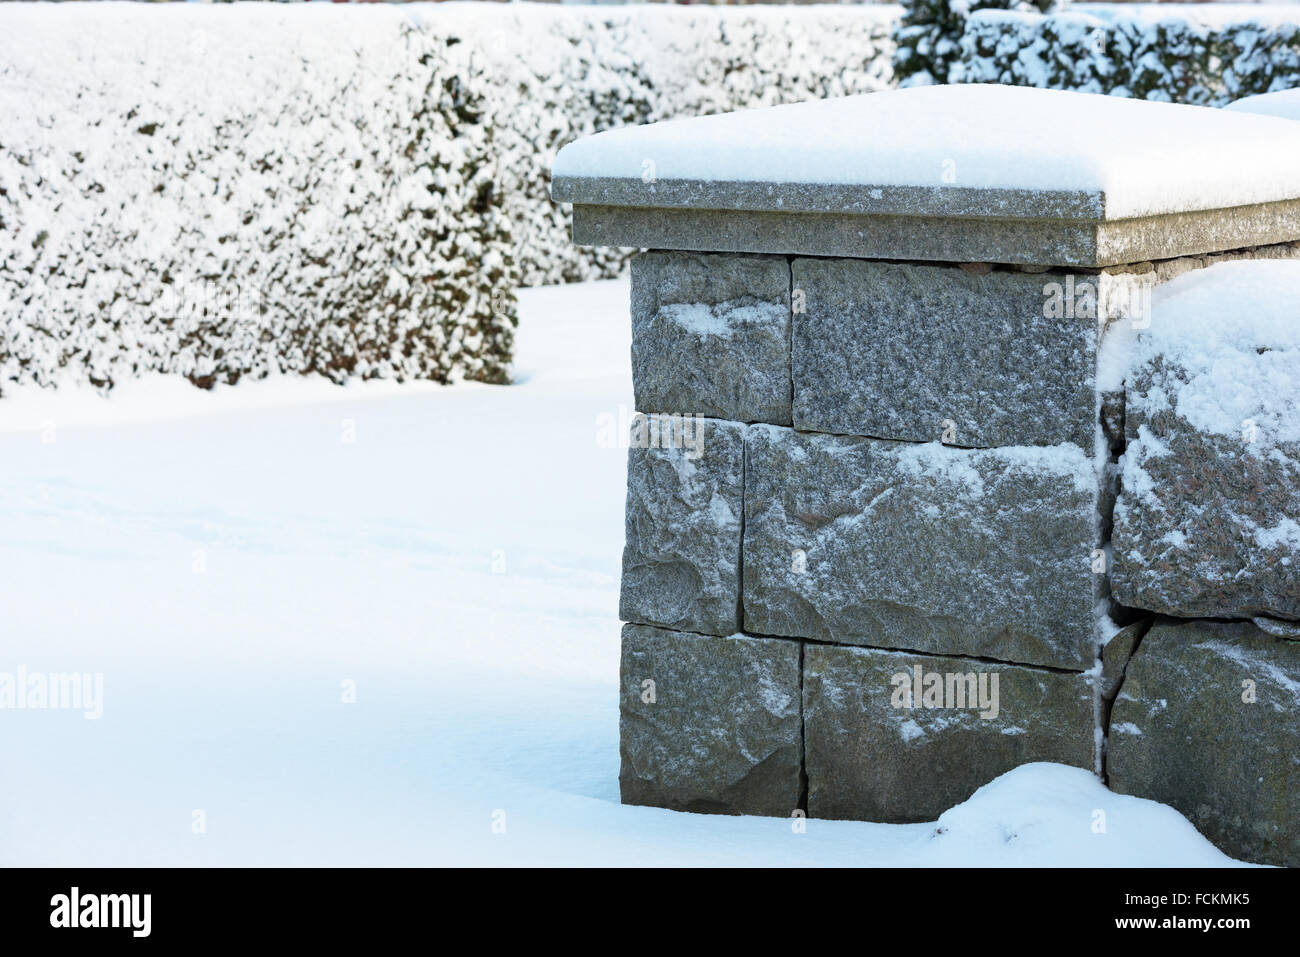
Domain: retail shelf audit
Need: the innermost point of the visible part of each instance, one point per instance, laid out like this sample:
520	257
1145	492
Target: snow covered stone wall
194	192
927	466
1212	427
1206	534
1192	56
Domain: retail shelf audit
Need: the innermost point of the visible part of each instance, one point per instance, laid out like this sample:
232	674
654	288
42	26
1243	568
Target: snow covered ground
234	563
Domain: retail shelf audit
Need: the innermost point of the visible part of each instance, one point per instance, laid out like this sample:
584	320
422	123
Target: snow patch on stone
1235	330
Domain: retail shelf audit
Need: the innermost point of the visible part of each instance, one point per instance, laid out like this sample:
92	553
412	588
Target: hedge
221	192
928	35
214	196
1147	54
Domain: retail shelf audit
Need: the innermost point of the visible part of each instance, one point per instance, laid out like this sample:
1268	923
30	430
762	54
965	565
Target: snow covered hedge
216	195
928	36
562	73
1184	57
227	191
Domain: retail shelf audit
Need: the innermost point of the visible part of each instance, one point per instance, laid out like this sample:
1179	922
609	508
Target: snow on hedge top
968	149
1215	13
1233	332
1285	104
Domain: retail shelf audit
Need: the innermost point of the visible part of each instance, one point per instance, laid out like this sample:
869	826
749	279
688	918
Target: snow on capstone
1129	155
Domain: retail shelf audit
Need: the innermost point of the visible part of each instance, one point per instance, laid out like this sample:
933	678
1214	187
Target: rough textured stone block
899	351
717	729
870	757
922	547
711	335
1205	525
1183	733
681	562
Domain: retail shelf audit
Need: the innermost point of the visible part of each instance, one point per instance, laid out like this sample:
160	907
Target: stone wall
893	521
1208	715
901	518
867	498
